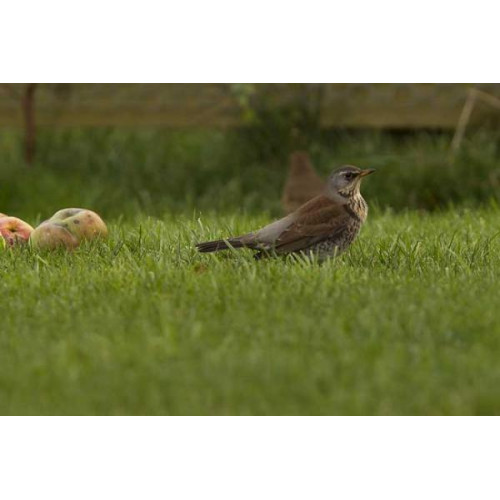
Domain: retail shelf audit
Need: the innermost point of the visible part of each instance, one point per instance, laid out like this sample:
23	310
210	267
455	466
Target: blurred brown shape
28	104
302	184
25	93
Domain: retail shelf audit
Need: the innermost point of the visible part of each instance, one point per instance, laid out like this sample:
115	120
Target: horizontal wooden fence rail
226	105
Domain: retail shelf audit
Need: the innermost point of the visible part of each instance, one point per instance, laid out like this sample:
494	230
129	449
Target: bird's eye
349	176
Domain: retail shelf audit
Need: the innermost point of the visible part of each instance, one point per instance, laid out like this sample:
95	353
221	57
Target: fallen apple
14	231
67	228
82	223
51	235
3	215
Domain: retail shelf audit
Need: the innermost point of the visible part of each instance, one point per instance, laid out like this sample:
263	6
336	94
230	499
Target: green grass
122	172
406	322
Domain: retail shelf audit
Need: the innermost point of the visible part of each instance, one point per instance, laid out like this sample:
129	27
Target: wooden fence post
28	104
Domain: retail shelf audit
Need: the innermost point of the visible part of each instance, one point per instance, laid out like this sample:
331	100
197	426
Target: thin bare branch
463	120
473	96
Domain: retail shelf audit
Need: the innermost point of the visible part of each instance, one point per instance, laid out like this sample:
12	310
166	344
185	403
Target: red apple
14	230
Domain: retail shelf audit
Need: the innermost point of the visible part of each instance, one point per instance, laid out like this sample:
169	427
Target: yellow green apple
14	231
67	228
51	235
82	223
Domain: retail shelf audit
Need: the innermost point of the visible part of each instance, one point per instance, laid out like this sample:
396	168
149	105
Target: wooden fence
223	105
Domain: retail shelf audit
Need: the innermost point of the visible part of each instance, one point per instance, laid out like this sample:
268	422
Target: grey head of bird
344	183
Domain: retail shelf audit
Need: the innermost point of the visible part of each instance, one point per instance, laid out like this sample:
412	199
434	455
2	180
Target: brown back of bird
302	184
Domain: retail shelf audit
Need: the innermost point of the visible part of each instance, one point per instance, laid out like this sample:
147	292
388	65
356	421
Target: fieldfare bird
302	183
324	226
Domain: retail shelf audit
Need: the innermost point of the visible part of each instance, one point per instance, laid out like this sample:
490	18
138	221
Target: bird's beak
366	172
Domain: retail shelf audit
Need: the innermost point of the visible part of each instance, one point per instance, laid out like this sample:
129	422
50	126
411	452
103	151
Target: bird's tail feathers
216	245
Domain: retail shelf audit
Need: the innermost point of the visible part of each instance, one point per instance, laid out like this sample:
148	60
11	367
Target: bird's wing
315	221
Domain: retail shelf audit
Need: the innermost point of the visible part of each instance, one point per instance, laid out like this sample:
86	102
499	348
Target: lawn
406	322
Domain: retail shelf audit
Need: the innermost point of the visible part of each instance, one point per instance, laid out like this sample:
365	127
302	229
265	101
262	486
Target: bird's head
346	180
